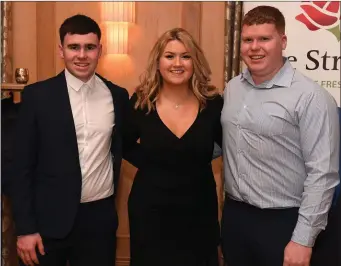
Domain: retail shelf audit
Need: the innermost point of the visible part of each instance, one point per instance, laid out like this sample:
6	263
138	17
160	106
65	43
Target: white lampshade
118	11
116	17
116	37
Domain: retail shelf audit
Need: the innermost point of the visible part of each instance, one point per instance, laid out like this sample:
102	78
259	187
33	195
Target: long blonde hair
151	80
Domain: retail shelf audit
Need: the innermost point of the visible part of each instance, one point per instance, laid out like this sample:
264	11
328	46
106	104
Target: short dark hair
79	24
265	14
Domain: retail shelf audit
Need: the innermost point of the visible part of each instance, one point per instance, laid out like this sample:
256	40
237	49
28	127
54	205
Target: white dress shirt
93	114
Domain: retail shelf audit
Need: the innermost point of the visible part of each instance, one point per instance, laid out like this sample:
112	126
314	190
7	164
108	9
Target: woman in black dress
175	113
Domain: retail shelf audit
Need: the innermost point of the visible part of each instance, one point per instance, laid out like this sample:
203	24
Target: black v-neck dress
173	209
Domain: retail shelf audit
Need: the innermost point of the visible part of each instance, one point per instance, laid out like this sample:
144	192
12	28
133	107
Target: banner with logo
313	31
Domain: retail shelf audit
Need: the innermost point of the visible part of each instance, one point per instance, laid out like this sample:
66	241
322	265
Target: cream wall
36	47
36	39
152	19
25	37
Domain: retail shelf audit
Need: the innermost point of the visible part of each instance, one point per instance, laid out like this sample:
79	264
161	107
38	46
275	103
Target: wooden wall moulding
12	88
15	87
191	18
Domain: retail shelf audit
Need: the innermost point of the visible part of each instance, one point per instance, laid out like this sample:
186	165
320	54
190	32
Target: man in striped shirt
281	142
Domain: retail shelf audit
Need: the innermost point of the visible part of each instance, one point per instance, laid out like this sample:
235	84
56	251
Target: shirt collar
76	83
283	78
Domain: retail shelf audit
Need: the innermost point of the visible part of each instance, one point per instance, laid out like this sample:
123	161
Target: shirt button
245	106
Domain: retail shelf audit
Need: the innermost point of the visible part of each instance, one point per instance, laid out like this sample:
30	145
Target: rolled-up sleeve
320	143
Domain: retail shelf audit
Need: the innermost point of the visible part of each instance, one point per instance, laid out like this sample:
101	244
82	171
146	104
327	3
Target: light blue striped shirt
281	147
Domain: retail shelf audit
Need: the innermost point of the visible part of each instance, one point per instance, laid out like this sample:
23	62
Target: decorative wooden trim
46	39
15	87
122	261
124	236
191	18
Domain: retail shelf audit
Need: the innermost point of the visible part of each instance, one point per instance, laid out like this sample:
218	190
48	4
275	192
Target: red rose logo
321	15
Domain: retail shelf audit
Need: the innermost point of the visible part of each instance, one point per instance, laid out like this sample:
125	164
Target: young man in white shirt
67	158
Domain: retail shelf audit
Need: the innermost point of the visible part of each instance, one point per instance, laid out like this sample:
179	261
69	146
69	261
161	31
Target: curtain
233	64
6	45
234	15
8	238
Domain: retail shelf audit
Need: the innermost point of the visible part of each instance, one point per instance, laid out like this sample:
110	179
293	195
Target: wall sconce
116	17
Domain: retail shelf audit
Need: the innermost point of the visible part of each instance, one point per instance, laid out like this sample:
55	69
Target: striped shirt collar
283	78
